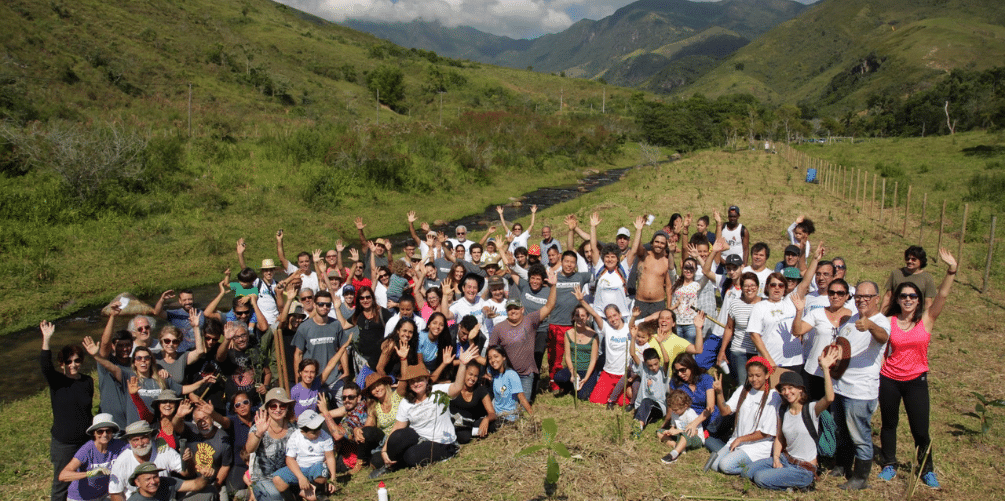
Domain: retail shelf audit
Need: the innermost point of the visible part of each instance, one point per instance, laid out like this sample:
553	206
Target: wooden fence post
907	211
872	204
963	234
942	225
858	182
991	248
882	203
921	225
893	206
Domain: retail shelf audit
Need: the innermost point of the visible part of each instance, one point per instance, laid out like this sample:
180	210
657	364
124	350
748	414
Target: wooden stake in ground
921	224
942	225
872	204
858	182
991	248
882	203
907	211
963	234
893	206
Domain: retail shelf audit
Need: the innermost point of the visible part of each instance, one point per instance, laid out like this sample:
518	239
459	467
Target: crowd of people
322	368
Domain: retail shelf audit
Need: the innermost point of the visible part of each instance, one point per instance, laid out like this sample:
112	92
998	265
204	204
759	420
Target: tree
788	114
389	82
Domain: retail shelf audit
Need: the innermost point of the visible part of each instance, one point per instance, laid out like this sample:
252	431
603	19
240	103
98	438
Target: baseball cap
623	232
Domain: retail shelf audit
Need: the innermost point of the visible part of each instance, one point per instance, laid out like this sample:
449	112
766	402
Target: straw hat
414	371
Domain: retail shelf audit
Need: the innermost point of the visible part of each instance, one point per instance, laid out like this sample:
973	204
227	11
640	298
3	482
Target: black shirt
71	402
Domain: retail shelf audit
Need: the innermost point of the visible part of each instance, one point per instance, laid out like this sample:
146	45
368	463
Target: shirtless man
655	281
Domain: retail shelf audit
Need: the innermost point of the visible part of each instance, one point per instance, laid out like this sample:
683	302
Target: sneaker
378	472
887	473
670	458
611	406
930	480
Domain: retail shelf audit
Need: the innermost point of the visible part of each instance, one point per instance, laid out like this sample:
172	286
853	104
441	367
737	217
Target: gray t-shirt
565	301
533	301
442	268
320	342
113	396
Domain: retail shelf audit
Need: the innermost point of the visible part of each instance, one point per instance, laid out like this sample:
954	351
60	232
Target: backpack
825	437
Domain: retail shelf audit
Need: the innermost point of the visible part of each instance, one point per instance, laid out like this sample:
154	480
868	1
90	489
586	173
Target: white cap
623	232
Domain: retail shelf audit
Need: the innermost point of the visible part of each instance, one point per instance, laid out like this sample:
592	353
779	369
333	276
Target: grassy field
611	465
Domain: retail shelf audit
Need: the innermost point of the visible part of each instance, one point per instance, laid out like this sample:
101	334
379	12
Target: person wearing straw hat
150	485
88	471
268	437
423	431
141	450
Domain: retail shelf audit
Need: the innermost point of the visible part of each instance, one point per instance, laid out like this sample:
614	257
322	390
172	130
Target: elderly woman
174	362
423	431
70	394
88	471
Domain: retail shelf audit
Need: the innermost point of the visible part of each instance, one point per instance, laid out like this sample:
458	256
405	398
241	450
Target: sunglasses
840	267
170	341
104	431
306	298
242	403
837	293
688	268
323	305
141	358
277	405
143	328
776	285
346	397
242	313
365	297
911	296
74	361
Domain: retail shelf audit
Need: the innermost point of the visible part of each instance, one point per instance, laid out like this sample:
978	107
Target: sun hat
789	378
268	264
791	272
490	259
310	419
278	394
102	420
513	303
148	467
166	396
373	380
414	371
138	429
842	364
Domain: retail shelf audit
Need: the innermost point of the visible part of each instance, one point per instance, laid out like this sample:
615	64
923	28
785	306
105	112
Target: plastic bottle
381	492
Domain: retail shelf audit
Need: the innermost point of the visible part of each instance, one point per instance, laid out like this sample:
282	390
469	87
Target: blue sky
513	18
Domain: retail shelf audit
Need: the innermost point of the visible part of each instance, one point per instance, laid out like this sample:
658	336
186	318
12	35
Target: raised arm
811	270
359	229
210	311
485	237
720	400
200	343
92	349
279	250
939	301
411	217
577	291
826	362
799	326
552	294
594	222
106	335
335	360
159	311
502	219
241	247
633	252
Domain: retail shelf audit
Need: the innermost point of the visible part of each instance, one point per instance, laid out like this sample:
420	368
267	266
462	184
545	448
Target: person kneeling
650	403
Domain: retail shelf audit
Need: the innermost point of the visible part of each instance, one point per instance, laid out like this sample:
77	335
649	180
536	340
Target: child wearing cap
310	455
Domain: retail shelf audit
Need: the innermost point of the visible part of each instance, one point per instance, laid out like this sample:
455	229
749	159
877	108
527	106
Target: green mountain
653	44
840	52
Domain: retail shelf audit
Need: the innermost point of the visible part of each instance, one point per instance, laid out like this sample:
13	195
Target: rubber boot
859	476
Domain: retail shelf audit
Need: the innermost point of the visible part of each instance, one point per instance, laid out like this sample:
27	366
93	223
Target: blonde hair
153	368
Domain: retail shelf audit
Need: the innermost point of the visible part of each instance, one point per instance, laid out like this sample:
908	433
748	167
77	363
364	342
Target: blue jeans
687	332
766	476
316	470
564	379
527	383
853	418
731	462
738	364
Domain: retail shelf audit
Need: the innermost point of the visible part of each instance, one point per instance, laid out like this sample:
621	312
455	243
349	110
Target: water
23	377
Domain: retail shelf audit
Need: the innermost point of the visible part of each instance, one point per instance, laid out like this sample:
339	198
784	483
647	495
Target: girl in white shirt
756	407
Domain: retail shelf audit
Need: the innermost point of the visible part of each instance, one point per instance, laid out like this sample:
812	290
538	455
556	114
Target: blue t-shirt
698	400
505	387
90	458
428	349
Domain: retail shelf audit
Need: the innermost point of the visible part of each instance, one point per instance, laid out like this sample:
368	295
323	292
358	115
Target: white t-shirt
762	277
680	421
861	380
126	464
462	308
309	452
730	296
773	321
380	294
520	241
615	349
610	289
307	281
467	246
823	334
420	324
798	441
430	419
267	301
747	422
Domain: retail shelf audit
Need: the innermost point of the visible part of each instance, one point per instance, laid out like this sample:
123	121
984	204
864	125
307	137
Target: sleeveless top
735	240
581	355
385	420
907	352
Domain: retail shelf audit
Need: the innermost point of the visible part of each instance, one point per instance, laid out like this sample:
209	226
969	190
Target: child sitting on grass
650	403
680	416
310	456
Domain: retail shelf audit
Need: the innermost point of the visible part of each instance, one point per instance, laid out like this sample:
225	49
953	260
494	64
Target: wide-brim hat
166	396
374	380
842	364
268	264
148	467
102	420
138	429
279	395
478	278
490	259
791	272
414	371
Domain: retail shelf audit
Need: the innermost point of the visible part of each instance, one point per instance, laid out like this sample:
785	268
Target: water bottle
381	492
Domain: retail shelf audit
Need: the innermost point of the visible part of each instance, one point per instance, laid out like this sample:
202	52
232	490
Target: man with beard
210	450
141	450
179	317
244	362
655	280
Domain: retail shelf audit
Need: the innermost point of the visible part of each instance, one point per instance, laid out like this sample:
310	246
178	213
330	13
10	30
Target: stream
19	354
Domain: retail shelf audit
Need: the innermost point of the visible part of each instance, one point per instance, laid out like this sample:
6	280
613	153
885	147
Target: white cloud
514	18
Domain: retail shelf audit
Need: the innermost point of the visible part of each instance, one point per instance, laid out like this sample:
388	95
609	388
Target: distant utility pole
603	106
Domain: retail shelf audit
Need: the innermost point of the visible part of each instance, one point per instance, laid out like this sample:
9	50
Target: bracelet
953	272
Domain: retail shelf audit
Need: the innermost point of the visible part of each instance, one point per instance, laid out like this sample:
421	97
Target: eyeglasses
168	340
276	405
906	295
864	297
837	293
840	266
242	313
143	328
776	285
242	403
364	297
323	305
688	268
307	298
74	361
104	431
347	397
141	358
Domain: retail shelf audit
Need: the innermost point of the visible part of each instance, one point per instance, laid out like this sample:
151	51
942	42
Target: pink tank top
907	352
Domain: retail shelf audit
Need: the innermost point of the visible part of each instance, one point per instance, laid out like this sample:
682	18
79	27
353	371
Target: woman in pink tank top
904	376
